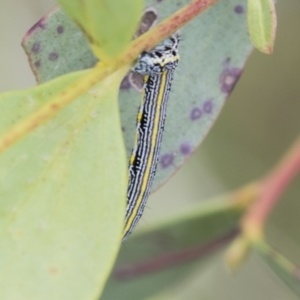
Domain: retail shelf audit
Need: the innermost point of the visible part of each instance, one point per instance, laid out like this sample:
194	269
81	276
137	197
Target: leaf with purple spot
213	52
103	19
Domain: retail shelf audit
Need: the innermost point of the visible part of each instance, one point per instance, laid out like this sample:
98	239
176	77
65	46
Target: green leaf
153	260
108	24
63	191
213	52
287	271
262	23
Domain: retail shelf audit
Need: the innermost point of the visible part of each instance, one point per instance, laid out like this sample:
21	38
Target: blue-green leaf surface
213	52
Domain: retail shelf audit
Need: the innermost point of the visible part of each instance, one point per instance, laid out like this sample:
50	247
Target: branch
102	70
272	188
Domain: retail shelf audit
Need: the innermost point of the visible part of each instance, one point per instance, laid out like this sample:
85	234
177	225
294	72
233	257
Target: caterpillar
157	66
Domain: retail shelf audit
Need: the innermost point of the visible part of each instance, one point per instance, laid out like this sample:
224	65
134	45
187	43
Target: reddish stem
73	91
149	39
272	188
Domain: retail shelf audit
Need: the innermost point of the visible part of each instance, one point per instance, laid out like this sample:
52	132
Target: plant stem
272	188
103	70
47	111
160	32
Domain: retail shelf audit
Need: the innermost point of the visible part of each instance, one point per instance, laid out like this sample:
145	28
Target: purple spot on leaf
166	160
37	64
39	25
239	9
208	106
196	114
148	20
36	47
53	56
125	84
137	81
60	29
185	149
227	62
228	79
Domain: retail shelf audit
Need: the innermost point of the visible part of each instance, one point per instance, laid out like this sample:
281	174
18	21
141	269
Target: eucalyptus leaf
108	24
262	24
154	260
213	52
63	191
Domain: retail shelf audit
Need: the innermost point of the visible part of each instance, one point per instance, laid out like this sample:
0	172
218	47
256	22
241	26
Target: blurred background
257	125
